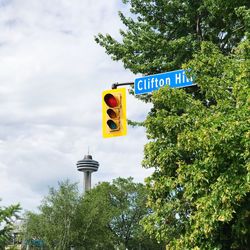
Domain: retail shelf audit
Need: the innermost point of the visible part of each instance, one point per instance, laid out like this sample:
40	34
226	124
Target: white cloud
52	74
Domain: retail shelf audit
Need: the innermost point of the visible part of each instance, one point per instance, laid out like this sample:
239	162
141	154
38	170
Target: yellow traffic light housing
114	121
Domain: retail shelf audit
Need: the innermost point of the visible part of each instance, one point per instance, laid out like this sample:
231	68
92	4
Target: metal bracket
115	85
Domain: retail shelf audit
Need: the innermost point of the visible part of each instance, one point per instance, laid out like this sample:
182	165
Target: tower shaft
87	181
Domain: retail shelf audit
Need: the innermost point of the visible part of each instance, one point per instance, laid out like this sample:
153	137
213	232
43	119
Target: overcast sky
52	74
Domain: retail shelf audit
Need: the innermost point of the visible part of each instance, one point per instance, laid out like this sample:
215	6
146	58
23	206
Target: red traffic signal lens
112	125
112	114
110	100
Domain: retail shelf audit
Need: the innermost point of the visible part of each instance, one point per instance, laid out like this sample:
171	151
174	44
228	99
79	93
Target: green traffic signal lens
112	125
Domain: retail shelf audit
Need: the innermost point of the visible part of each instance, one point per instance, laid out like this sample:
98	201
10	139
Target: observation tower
87	166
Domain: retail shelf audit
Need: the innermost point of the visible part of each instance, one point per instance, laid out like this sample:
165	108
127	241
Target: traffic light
114	121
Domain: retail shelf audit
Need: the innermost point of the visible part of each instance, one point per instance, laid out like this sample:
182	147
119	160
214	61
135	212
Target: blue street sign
175	79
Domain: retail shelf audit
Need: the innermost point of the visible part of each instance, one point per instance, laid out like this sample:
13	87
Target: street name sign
175	79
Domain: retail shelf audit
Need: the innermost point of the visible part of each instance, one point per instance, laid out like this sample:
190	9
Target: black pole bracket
115	85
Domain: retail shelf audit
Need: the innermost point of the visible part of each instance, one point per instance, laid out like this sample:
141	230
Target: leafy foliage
200	149
106	217
8	215
91	222
129	200
162	35
109	217
53	224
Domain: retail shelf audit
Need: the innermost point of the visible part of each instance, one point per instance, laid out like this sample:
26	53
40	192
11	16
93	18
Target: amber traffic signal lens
112	114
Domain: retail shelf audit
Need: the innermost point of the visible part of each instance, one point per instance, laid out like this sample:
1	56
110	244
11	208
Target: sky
52	74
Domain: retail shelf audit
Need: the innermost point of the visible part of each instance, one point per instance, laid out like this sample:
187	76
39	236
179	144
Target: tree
92	217
106	217
109	216
129	200
198	136
53	223
200	149
8	215
162	35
